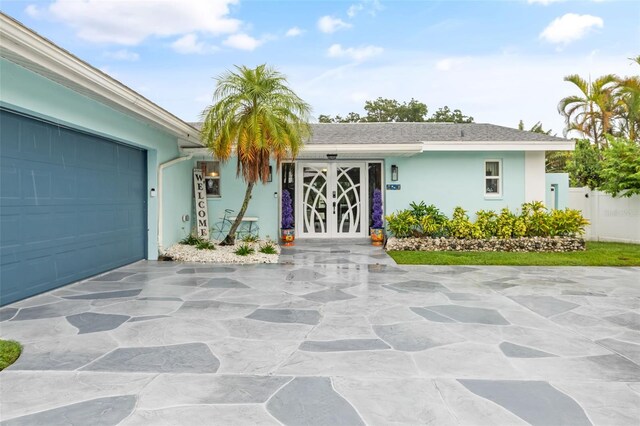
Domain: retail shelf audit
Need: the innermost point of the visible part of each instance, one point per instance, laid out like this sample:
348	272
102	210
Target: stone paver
334	334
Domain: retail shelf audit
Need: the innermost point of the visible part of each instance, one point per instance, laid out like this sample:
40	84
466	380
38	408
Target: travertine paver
334	334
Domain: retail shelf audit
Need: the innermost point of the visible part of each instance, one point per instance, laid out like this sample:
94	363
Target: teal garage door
72	205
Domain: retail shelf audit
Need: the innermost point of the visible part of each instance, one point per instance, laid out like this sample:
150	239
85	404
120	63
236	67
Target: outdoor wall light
332	156
270	178
394	173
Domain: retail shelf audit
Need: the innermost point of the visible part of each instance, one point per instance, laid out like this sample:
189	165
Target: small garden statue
377	231
287	225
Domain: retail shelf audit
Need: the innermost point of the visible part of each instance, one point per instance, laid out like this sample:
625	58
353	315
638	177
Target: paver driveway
337	334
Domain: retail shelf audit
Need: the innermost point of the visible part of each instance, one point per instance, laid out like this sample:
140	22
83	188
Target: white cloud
33	11
354	9
355	53
130	22
242	41
447	64
543	2
371	6
570	27
329	24
122	55
293	32
190	43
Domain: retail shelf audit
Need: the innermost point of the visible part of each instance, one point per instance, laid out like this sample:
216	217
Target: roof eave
35	49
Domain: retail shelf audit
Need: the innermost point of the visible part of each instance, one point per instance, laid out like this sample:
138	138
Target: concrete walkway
335	334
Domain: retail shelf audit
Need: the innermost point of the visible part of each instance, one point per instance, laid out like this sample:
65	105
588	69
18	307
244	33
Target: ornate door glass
314	199
347	202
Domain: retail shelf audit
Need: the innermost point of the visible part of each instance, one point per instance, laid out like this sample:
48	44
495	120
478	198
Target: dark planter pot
377	236
287	236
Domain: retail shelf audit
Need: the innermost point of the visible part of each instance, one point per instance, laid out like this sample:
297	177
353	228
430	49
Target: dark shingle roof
406	133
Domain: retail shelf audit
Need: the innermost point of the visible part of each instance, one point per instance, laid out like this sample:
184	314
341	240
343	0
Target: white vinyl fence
612	219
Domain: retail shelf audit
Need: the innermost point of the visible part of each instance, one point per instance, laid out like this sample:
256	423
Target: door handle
334	202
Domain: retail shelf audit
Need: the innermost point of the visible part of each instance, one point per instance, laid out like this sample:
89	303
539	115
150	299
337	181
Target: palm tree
593	112
629	101
256	117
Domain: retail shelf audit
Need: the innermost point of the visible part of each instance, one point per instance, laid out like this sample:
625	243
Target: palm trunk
230	239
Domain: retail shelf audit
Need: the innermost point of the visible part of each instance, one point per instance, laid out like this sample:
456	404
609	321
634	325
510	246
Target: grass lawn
9	352
597	254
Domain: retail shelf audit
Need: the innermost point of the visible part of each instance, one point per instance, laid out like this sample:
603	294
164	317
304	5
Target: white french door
331	200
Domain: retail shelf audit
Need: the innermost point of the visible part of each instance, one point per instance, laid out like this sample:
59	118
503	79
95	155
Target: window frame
498	194
202	165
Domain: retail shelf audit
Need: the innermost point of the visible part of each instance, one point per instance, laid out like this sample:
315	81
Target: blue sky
499	61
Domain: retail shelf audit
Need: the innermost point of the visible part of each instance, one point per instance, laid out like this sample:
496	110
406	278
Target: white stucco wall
534	176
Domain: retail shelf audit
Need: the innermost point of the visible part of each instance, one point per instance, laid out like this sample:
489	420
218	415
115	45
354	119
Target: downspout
161	168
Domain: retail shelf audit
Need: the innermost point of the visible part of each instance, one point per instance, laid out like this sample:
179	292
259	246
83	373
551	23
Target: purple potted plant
287	231
377	230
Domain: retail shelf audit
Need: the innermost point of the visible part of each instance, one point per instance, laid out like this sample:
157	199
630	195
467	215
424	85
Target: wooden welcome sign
202	216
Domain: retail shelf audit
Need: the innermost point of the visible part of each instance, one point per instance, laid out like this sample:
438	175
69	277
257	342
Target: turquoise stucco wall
263	204
30	93
561	180
450	179
446	179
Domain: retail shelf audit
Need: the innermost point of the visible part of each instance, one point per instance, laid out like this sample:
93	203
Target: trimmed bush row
533	220
523	244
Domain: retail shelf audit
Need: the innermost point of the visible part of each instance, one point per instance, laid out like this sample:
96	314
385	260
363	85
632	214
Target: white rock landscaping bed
221	254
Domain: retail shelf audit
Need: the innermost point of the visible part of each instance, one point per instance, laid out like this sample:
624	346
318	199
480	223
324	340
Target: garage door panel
9	181
10	125
73	205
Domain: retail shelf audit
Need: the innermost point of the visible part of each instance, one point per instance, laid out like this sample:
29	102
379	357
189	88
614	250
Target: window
211	172
492	178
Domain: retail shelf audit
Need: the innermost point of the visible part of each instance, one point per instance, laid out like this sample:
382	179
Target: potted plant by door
287	230
377	231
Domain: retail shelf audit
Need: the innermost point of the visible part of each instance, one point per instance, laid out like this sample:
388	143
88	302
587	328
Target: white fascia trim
25	43
568	145
414	148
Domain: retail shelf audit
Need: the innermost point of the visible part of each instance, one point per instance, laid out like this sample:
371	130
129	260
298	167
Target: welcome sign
202	216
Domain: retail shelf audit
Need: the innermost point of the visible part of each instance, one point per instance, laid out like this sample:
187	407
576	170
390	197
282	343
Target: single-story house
94	176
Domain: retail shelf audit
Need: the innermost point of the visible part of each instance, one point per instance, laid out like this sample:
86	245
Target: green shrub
268	248
504	224
567	222
244	250
533	221
461	227
486	220
418	210
205	245
402	224
249	238
536	219
191	240
519	228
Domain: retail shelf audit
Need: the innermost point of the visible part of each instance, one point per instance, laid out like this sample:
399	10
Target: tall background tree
590	113
445	115
256	117
606	114
628	90
382	110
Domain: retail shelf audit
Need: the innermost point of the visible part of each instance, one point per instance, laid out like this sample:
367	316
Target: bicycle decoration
377	230
245	231
287	224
